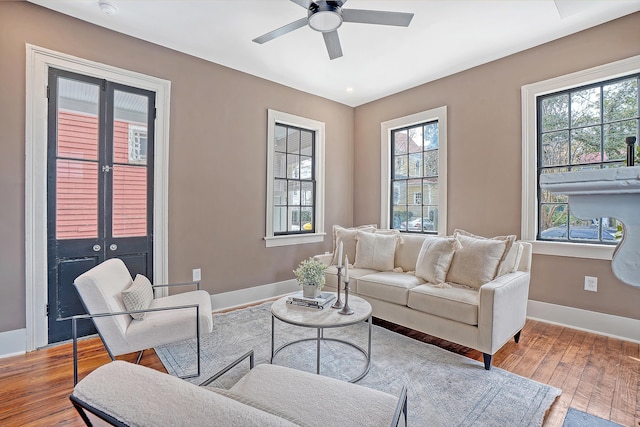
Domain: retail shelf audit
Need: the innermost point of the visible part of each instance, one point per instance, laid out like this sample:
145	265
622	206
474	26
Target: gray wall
217	163
484	154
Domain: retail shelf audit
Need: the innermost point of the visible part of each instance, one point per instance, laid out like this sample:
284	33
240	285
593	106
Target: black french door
99	186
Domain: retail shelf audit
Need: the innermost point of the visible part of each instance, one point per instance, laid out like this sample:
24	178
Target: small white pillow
508	262
348	238
138	296
375	251
476	263
435	258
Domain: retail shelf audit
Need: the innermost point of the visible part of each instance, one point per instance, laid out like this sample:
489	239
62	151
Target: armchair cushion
138	296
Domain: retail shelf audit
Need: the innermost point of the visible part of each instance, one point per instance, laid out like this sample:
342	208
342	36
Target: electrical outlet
591	283
197	274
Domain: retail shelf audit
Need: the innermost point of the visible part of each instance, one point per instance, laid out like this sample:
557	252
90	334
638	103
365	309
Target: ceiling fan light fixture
325	19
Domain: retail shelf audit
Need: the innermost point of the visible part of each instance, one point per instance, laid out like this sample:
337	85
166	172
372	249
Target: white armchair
167	319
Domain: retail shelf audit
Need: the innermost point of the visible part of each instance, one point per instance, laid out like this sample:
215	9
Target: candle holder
346	309
338	303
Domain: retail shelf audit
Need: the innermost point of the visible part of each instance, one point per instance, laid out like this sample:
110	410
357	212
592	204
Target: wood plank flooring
597	374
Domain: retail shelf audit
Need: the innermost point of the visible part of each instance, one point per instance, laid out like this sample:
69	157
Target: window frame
318	128
529	211
438	114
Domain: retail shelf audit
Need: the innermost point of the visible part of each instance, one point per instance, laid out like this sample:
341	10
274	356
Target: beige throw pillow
509	262
435	258
476	263
138	296
375	251
348	238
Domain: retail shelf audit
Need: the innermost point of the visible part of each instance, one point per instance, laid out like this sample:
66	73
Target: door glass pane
130	150
77	119
130	128
129	201
76	199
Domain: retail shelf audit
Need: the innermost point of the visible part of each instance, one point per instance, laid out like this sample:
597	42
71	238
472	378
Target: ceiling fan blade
281	31
332	41
400	19
303	3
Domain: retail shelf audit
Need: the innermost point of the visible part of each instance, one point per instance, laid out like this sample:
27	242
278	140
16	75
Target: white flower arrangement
311	272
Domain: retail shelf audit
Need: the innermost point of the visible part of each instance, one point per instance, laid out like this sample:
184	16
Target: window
571	123
414	187
137	144
295	168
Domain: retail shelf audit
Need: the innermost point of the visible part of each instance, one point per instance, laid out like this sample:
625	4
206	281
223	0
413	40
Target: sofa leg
487	361
516	337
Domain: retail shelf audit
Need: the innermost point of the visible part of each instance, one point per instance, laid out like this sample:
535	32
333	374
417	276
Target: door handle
113	247
96	248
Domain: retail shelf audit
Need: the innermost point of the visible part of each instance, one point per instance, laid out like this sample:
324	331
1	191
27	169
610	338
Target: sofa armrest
324	258
502	309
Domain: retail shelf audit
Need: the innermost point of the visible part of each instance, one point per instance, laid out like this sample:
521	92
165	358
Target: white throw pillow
435	258
138	296
476	263
509	262
375	251
348	238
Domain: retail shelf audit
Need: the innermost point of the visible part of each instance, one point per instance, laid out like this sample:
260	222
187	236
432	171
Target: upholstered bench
124	394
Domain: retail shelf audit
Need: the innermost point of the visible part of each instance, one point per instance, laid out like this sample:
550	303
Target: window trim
529	211
274	117
438	114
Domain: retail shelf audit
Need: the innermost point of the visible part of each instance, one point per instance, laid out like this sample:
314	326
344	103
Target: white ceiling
445	37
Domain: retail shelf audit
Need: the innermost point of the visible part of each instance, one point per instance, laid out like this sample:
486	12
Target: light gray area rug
444	389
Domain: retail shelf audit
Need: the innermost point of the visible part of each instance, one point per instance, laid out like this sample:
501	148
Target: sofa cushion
348	238
331	276
476	263
388	286
299	395
508	263
138	296
375	251
407	251
435	258
457	302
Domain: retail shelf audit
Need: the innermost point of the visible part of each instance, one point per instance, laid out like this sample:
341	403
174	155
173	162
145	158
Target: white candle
340	254
346	266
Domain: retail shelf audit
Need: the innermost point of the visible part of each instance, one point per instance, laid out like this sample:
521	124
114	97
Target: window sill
294	239
574	250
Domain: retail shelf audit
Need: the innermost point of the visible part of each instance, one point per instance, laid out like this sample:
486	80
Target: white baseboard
623	328
256	294
13	343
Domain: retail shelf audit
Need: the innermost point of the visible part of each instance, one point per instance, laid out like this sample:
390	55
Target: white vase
310	291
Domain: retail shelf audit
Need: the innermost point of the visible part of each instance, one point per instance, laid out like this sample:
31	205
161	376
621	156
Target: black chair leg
487	361
516	337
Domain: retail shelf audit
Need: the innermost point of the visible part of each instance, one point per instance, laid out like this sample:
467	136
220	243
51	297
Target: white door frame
39	60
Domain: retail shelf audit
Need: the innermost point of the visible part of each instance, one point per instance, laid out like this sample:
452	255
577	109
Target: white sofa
124	394
476	297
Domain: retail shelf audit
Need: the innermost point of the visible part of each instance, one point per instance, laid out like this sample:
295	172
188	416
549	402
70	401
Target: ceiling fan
326	16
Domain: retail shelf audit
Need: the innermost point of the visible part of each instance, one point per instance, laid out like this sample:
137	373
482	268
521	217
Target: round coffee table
322	319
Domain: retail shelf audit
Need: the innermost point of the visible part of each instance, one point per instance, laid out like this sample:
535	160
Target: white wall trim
274	117
13	343
233	299
439	114
38	62
529	203
623	328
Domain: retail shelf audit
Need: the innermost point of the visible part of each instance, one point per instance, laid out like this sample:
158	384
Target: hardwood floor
597	374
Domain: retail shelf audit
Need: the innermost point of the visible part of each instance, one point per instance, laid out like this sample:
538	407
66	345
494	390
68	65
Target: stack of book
319	303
